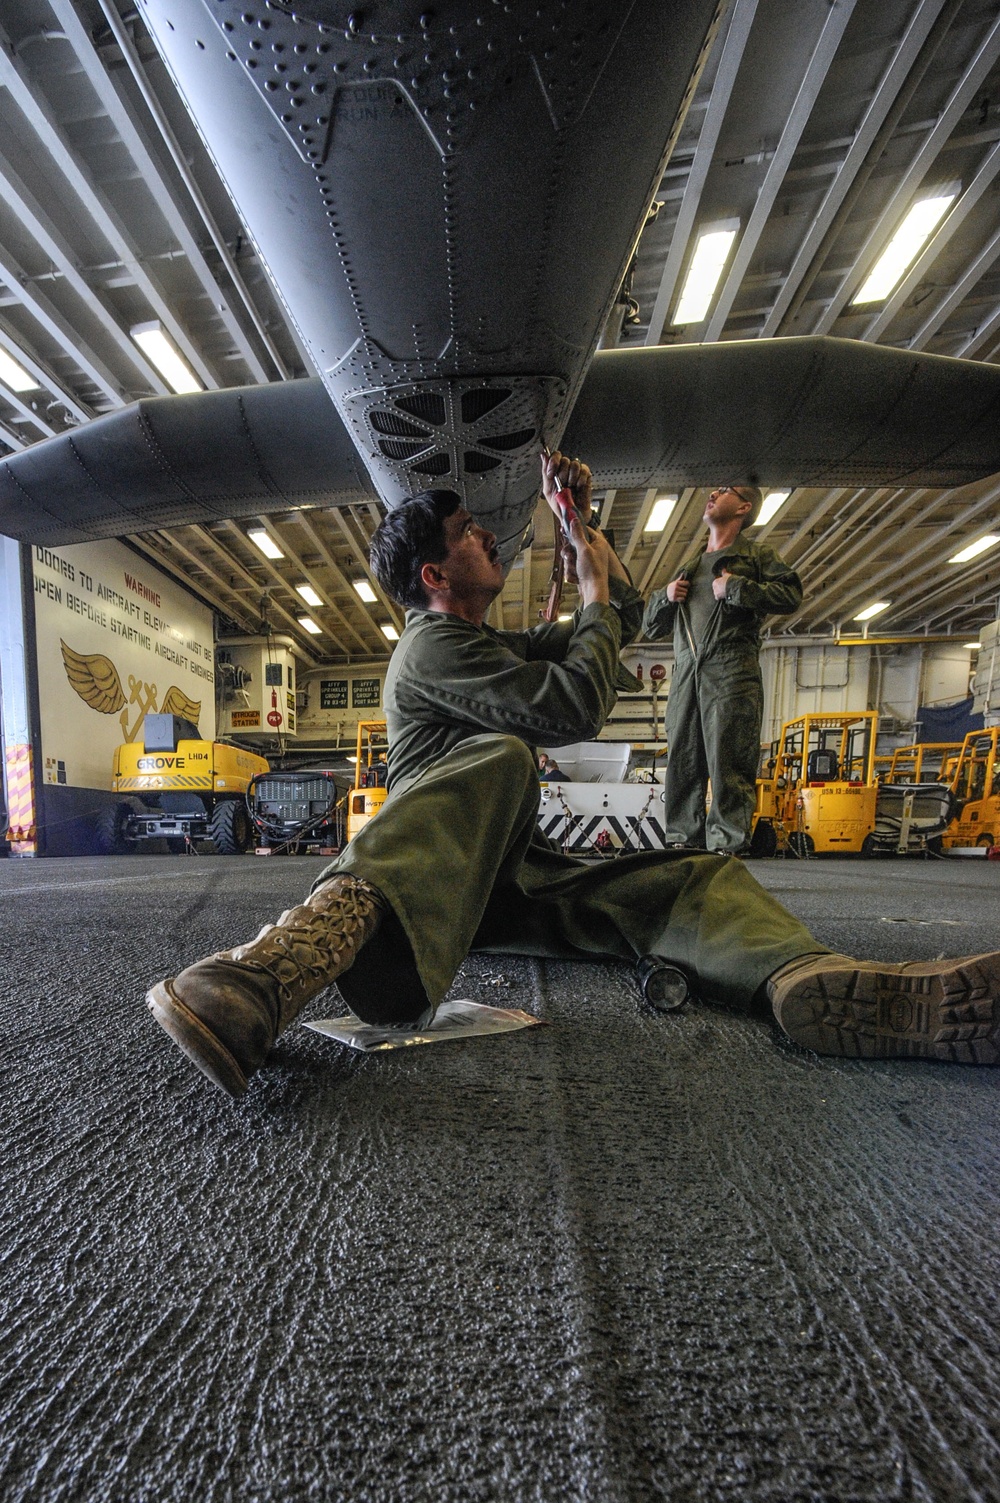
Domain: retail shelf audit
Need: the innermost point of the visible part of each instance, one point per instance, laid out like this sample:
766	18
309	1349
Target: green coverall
456	850
716	700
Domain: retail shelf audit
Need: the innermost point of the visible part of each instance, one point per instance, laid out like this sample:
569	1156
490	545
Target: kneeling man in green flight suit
714	610
455	859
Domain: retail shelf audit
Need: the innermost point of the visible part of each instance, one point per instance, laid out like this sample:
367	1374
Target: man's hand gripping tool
562	548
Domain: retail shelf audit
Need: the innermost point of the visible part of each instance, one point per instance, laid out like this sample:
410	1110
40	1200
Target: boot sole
948	1010
195	1040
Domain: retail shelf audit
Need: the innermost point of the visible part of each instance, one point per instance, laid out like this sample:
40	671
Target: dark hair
409	536
755	496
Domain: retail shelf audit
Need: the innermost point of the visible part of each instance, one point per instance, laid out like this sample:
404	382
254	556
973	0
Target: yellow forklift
176	786
818	793
926	762
369	792
976	786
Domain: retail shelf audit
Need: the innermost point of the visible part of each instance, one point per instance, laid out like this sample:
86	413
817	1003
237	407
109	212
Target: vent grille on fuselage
476	404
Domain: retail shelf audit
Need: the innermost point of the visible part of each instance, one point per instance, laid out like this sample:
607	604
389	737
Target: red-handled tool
567	508
563	499
562	546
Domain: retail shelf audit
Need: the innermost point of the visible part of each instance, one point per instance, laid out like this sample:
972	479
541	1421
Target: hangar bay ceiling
812	131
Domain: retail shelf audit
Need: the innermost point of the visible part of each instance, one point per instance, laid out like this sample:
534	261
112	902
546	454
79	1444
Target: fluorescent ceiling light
154	341
564	618
310	625
707	264
365	590
660	514
265	542
308	594
873	610
389	631
903	248
772	504
14	376
973	550
973	646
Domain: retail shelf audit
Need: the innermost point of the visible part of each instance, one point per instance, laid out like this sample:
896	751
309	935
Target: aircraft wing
173	461
811	411
808	411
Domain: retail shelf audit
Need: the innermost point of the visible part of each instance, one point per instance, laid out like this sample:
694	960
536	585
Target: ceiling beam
271	528
13	399
837	17
812	519
953	221
72	344
961	97
151	174
158	115
35	109
150	545
845	600
12	439
873	514
958	585
669	537
46	380
645	507
326	554
982	336
231	559
957	295
731	56
894	90
395	616
61	257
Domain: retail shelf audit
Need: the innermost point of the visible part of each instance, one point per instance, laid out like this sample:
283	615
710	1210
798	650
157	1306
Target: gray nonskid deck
624	1257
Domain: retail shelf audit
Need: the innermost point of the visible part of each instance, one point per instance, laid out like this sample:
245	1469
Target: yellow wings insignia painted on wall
176	702
95	679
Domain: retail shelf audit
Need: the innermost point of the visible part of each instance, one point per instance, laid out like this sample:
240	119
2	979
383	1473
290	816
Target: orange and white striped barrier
22	830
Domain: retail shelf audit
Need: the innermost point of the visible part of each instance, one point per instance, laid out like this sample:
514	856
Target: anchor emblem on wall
98	683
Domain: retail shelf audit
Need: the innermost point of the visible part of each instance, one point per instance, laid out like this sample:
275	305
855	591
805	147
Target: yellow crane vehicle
179	787
976	787
819	792
369	792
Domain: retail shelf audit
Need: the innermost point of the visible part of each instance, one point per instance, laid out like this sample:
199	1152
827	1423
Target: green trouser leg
687	768
459	858
440	843
731	699
705	914
713	724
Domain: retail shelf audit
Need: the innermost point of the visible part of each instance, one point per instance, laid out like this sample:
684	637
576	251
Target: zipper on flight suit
694	651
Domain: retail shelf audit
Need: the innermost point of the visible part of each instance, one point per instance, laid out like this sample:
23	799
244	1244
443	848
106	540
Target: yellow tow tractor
179	787
819	792
976	786
369	792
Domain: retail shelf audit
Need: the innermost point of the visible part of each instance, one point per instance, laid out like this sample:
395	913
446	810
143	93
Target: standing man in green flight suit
715	608
455	859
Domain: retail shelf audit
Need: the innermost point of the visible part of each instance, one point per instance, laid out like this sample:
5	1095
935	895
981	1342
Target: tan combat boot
226	1011
925	1009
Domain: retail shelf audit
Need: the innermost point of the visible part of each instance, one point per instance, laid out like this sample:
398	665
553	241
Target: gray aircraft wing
811	411
783	412
172	461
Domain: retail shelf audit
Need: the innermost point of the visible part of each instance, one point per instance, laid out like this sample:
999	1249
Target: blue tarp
947	722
